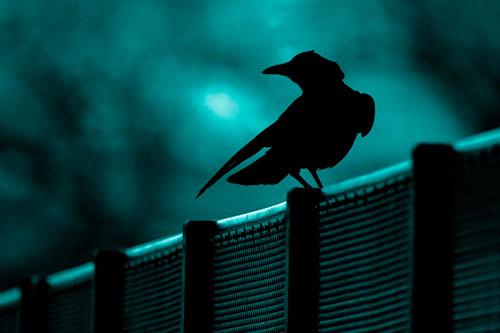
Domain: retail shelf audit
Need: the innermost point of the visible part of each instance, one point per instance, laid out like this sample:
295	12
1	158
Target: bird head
308	68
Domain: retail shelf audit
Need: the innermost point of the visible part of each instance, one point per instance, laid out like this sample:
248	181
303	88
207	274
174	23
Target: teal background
113	114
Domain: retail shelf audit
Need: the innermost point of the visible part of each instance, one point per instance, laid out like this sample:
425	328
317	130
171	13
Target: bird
315	132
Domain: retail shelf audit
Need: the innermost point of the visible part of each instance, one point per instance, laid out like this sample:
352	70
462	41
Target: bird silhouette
315	132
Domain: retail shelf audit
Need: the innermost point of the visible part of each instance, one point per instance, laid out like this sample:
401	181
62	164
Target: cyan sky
114	113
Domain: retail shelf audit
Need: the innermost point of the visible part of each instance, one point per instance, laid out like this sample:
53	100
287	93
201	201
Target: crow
315	132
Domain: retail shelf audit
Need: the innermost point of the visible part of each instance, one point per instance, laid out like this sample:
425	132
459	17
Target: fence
10	310
61	302
414	247
139	289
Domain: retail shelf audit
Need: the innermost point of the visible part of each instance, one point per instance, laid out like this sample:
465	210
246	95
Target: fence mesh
10	307
152	291
249	277
476	239
69	300
365	244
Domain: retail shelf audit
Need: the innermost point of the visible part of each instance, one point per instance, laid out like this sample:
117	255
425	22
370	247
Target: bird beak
282	69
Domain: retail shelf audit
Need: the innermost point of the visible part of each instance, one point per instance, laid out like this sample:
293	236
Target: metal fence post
108	291
197	275
433	209
302	260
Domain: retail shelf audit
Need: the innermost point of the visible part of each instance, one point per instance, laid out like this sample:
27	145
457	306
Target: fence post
197	276
108	291
433	213
34	311
301	294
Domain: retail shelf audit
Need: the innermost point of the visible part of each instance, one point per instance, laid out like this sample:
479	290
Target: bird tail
264	171
251	148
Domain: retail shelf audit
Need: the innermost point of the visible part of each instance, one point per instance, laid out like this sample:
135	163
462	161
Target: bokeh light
222	105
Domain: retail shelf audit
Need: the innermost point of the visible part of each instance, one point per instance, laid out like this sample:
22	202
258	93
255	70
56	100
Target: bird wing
366	106
266	138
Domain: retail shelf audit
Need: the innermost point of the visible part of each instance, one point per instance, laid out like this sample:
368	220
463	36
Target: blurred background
113	114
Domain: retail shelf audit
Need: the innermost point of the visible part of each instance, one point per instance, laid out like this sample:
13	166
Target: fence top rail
10	296
82	272
368	179
153	246
348	185
478	141
245	219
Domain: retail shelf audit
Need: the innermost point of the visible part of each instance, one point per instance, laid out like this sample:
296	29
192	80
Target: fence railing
10	310
140	289
414	247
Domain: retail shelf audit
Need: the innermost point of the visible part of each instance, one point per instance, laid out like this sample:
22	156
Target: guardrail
414	247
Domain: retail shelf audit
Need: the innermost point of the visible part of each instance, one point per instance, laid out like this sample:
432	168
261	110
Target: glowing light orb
222	105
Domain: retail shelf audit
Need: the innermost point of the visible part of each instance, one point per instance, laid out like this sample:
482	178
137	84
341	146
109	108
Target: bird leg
301	180
316	178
